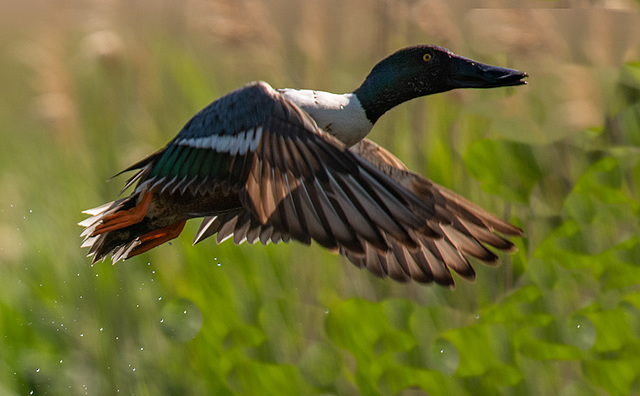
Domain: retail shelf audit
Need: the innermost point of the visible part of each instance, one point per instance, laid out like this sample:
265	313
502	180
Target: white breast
341	115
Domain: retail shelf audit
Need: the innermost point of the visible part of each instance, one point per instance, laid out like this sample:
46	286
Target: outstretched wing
450	227
463	228
292	179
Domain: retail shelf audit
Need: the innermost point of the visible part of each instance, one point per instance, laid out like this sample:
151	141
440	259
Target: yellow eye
426	57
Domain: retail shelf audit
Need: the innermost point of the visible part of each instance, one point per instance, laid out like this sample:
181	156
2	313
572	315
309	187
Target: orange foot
157	237
125	218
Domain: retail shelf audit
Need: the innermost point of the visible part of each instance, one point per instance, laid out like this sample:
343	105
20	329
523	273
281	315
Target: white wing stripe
222	144
256	138
242	149
239	143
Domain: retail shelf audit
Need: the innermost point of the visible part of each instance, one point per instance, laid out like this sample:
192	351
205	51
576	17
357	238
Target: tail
122	229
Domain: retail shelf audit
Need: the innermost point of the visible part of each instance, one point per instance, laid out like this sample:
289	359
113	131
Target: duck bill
468	73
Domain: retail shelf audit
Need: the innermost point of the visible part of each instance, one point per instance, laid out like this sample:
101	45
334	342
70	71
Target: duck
275	165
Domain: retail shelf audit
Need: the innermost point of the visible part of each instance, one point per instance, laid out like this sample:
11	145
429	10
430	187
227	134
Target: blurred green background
89	87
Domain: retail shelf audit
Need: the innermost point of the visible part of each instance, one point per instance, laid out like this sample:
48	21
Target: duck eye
426	57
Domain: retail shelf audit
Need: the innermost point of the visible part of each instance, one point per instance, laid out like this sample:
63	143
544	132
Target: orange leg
125	218
158	237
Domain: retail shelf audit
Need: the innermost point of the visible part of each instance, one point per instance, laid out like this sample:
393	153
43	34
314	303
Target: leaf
543	350
364	329
515	308
503	375
394	341
258	378
399	378
615	376
320	364
504	168
601	208
612	329
244	335
474	345
356	325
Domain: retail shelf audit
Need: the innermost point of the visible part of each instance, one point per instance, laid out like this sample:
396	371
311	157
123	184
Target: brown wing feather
465	228
331	196
363	202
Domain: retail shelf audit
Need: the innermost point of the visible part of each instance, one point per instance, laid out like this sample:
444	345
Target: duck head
423	70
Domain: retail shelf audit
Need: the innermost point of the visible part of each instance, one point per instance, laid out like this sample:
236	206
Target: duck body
275	165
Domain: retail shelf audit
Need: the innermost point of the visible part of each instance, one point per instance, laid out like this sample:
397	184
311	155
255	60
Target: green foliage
504	168
560	316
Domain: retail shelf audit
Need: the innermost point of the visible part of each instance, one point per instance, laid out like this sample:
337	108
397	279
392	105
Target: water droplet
444	356
181	319
580	332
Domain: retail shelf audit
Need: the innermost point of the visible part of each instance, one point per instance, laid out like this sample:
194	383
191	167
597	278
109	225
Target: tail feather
156	237
121	229
98	214
114	220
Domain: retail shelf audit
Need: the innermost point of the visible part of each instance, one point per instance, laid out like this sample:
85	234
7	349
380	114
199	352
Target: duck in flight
271	165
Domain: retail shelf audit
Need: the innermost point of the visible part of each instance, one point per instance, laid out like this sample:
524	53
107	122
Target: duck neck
377	95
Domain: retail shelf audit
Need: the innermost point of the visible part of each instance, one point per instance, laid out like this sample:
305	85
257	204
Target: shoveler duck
265	164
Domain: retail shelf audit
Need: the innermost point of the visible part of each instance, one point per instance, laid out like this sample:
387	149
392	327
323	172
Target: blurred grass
90	87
